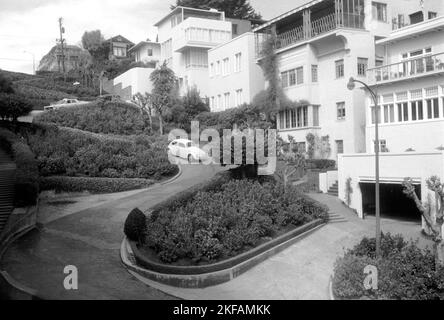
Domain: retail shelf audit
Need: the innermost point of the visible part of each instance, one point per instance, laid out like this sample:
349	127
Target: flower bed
404	271
226	221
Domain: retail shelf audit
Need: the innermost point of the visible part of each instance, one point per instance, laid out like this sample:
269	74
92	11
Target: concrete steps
7	180
333	190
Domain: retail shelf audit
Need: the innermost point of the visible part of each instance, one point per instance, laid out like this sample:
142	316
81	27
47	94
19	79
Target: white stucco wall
137	78
250	78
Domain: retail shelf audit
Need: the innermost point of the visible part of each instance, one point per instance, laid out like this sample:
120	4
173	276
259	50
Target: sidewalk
302	271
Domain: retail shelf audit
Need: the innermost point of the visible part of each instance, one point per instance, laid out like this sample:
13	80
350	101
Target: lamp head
351	84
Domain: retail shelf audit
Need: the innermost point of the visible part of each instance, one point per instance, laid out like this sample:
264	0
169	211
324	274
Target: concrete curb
330	288
157	280
178	174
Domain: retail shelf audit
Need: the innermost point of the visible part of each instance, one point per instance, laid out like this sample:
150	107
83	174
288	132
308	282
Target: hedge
321	164
27	174
404	271
93	185
104	118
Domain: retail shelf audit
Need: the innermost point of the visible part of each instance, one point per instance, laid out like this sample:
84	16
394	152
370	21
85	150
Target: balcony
200	33
311	22
408	69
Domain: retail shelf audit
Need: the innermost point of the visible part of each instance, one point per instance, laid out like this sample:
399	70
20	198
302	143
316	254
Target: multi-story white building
409	83
186	35
320	45
235	78
146	52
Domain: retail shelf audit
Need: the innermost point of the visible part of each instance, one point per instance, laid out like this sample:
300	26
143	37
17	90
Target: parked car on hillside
67	102
184	148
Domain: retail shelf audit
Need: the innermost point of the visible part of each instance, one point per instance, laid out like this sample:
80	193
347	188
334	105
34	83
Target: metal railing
409	68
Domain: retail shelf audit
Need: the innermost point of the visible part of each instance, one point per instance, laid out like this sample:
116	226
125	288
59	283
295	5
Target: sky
29	28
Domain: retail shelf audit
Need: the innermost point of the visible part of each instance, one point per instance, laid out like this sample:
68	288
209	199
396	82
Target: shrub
321	164
135	225
93	185
404	271
222	219
110	118
13	106
27	175
71	152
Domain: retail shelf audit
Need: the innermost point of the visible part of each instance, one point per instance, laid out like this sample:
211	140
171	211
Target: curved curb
330	288
198	281
178	174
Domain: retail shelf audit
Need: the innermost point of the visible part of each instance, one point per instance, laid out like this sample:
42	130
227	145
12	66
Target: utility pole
62	49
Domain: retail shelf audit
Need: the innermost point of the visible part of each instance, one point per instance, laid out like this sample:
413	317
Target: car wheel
190	158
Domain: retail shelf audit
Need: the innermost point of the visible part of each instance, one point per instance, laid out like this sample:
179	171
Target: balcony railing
316	27
409	68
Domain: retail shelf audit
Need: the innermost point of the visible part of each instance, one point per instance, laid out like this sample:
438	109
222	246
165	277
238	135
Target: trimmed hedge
226	220
93	185
321	164
27	174
135	225
404	271
104	118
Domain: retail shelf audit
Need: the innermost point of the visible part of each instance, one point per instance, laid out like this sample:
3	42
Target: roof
141	43
119	38
288	13
179	8
414	30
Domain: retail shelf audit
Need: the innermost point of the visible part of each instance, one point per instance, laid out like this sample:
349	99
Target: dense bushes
321	164
93	185
27	176
54	84
135	225
108	118
39	98
13	106
221	223
70	152
404	271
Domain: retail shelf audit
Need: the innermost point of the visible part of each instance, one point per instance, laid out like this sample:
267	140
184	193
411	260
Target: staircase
7	179
333	190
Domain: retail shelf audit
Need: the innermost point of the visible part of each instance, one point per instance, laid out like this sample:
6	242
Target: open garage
393	202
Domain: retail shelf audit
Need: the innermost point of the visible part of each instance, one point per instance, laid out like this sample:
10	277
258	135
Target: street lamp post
351	86
33	60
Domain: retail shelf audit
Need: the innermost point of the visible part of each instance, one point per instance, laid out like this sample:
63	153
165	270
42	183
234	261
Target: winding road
90	240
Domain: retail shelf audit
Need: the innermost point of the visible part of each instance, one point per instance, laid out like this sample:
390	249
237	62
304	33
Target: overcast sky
32	25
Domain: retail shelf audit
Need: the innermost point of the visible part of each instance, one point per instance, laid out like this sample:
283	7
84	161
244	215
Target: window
389	113
239	98
150	52
314	73
284	79
212	105
417	110
292	77
287	118
281	120
403	112
226	100
234	29
238	62
339	68
293	119
219	102
432	108
379	11
217	67
362	66
373	114
300	75
339	146
383	146
315	116
432	15
340	107
226	67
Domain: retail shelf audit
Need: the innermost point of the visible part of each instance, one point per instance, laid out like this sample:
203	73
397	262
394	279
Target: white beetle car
187	149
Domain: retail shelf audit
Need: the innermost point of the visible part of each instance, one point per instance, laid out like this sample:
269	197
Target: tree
239	9
291	162
435	221
5	85
144	102
92	40
13	106
164	93
193	103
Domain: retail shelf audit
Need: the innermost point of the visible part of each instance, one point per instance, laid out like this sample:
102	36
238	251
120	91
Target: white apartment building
409	83
146	52
234	76
320	45
186	35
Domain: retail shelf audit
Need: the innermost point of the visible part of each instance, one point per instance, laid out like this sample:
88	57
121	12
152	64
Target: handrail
405	61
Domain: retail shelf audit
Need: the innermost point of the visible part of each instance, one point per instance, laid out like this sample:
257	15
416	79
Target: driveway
90	240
